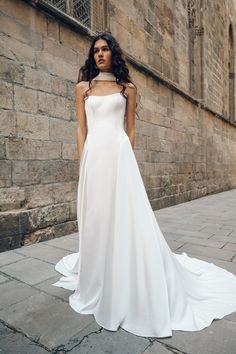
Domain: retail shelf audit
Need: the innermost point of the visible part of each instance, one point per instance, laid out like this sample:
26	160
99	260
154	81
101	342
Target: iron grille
82	10
59	4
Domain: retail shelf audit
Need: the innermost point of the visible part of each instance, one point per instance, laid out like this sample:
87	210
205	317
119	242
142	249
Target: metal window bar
91	13
82	11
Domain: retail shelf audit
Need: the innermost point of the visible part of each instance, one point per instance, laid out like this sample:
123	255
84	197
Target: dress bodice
105	113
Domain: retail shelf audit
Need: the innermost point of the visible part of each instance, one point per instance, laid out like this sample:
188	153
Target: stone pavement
35	317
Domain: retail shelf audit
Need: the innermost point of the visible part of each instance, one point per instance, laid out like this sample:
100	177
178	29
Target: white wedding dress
124	272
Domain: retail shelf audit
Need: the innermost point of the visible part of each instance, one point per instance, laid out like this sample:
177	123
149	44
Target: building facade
181	55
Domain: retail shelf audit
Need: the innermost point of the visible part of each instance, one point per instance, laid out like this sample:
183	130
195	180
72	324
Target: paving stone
47	287
74	236
233	233
182	233
65	243
157	348
43	252
73	342
208	252
45	319
9	257
230	266
13	292
227	227
230	246
202	241
173	227
115	342
3	279
174	245
231	317
231	222
171	236
219	338
30	271
223	238
223	232
12	342
209	227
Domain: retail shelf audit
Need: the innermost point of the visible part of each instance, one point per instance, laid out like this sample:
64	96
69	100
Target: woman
125	273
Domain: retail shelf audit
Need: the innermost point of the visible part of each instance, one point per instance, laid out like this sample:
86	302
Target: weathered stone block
61	130
73	210
7	123
32	126
52	28
39	218
39	236
69	151
72	40
5	173
6	94
57	49
9	224
73	113
45	194
37	79
36	172
71	90
59	87
10	70
55	106
20	31
25	99
59	67
10	243
25	14
51	232
2	148
66	228
38	195
26	149
11	198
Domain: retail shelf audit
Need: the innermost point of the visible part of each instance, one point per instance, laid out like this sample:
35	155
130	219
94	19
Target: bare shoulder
130	90
81	87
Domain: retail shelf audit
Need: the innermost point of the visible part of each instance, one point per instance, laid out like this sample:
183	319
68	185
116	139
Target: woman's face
102	55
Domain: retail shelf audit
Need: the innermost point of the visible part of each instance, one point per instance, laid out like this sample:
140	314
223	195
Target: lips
101	60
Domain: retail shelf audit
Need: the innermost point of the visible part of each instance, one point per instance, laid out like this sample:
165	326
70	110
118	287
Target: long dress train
124	272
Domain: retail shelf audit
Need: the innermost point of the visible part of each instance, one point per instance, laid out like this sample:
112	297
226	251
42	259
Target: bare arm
131	92
81	118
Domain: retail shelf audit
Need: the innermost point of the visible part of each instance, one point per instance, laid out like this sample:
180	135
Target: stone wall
185	144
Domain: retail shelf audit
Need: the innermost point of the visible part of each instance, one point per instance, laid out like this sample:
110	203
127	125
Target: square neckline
114	93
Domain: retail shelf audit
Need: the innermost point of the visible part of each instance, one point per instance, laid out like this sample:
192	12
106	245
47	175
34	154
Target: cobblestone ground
35	316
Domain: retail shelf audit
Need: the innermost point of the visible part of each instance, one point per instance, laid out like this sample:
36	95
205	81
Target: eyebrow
101	46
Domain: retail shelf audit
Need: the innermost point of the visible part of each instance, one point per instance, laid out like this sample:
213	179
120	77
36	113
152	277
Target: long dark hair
119	68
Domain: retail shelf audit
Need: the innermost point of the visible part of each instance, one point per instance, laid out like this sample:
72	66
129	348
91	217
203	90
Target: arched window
231	82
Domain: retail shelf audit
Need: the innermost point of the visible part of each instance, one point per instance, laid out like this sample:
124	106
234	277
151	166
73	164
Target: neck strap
105	76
